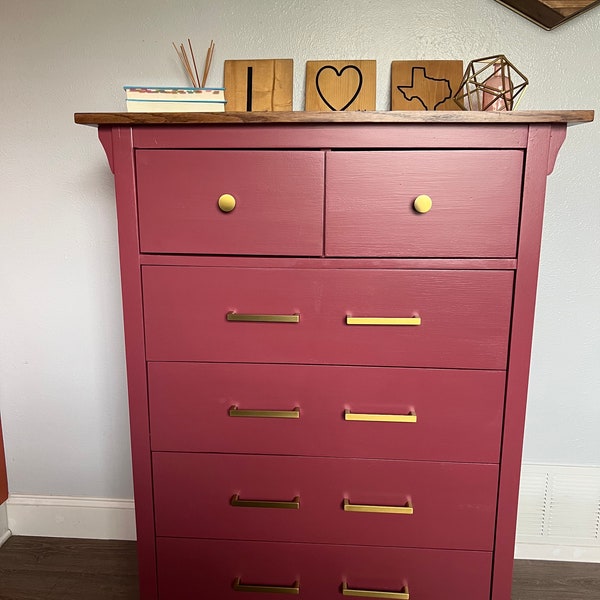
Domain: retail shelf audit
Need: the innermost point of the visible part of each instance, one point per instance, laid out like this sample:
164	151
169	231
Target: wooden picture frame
549	13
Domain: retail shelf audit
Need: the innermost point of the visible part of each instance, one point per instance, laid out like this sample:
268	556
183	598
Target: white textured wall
62	380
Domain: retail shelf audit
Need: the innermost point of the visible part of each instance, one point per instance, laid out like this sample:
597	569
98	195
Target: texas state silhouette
429	91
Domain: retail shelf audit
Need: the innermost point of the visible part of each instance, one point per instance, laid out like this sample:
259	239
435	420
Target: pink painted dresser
328	323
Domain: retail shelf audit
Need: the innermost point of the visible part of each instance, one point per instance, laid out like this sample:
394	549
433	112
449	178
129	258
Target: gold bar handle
411	417
236	501
403	595
238	586
382	320
234	411
253	318
407	509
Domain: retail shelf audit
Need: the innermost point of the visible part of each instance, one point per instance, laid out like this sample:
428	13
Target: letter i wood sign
258	85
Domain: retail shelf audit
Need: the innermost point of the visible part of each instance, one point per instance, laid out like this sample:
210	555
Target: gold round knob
226	203
422	203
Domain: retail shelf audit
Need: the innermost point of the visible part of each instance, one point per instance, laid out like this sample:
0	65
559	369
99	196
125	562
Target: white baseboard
4	530
71	517
562	553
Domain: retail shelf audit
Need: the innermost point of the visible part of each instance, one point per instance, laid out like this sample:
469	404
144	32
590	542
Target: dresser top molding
223	118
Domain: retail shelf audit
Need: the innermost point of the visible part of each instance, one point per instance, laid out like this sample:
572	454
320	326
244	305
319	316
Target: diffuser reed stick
187	65
181	54
207	63
194	61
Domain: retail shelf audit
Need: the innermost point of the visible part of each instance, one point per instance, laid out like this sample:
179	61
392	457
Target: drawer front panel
189	569
197	407
453	504
278	211
464	316
475	203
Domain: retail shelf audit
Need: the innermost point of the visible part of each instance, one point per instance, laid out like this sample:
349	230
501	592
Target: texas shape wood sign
337	85
425	84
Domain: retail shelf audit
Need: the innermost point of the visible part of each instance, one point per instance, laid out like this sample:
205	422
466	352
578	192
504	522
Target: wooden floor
61	569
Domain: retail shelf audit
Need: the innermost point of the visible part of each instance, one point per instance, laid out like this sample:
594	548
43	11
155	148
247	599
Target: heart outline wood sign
338	85
549	14
339	73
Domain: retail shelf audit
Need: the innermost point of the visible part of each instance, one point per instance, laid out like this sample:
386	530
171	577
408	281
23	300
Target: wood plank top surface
373	117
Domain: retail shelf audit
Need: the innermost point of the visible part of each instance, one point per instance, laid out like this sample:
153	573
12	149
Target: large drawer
190	569
464	316
433	505
278	211
474	213
370	412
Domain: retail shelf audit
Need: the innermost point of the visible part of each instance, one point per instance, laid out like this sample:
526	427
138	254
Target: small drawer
453	319
278	202
308	410
474	210
189	569
325	500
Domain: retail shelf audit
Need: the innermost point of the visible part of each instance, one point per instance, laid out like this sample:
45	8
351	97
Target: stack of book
174	99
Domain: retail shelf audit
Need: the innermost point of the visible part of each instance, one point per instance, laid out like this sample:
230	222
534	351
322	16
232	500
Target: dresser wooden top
221	118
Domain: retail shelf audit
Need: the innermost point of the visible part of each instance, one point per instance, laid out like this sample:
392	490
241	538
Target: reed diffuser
187	63
197	98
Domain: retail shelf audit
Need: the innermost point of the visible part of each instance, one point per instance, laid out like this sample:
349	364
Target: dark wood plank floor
33	568
63	569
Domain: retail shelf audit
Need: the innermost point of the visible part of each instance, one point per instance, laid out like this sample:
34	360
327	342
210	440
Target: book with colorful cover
174	99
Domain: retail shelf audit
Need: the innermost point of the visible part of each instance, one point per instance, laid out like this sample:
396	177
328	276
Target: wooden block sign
425	84
337	85
255	85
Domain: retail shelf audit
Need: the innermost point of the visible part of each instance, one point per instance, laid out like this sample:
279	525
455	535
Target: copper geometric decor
549	13
492	83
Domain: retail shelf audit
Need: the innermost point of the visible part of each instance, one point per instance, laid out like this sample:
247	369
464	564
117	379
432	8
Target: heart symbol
339	74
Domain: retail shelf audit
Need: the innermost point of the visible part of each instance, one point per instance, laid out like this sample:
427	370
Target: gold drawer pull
294	504
422	204
226	202
233	316
396	510
346	591
238	586
383	320
234	411
411	417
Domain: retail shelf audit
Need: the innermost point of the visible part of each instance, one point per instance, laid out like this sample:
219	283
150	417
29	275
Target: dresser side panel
534	189
125	188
